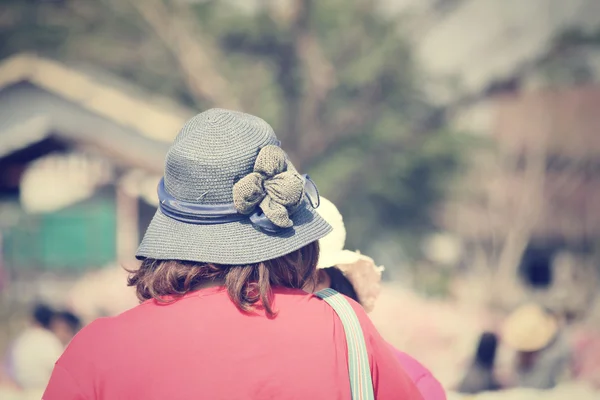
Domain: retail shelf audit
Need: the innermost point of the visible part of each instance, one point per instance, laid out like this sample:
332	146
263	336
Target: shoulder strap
361	385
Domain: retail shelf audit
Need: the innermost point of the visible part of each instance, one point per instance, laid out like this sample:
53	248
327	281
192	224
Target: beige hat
529	328
359	269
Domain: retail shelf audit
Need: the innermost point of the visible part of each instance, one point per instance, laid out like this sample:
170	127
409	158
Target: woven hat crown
212	151
230	196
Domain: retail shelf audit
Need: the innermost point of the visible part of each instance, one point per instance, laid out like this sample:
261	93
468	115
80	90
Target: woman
480	376
232	320
357	277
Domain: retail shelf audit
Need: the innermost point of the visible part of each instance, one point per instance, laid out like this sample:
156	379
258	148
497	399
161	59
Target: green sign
77	237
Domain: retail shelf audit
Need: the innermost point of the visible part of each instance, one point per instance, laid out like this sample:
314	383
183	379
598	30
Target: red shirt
203	347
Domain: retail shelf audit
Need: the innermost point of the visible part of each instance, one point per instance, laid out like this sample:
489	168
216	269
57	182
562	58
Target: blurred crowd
530	354
30	358
475	351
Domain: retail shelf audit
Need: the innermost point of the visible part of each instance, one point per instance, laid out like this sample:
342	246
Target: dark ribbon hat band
208	214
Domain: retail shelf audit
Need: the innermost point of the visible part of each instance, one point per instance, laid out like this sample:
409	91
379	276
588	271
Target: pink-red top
430	388
203	347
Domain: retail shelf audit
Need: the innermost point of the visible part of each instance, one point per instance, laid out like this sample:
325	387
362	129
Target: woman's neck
208	284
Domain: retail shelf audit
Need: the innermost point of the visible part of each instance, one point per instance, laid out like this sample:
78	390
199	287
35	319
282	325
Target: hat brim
234	243
529	329
530	342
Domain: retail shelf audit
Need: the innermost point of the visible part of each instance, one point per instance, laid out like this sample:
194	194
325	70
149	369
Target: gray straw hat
230	196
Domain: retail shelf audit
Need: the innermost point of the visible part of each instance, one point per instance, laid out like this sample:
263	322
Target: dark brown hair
341	284
245	284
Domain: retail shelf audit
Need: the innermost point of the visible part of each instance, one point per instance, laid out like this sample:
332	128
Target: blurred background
459	138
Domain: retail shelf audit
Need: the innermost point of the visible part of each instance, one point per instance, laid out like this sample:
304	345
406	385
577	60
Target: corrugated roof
162	118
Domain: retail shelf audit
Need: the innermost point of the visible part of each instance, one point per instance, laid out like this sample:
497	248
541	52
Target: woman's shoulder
93	334
363	317
315	304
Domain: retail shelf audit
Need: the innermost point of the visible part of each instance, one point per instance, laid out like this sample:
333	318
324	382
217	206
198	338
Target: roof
161	120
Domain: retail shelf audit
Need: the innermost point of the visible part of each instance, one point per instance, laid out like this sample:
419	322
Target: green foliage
387	168
24	27
571	59
390	185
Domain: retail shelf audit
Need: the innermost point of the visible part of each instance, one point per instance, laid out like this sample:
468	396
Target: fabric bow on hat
275	186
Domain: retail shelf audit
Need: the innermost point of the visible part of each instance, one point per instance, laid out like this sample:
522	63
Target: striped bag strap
361	384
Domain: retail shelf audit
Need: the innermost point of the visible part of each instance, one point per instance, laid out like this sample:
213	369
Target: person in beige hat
349	272
358	277
543	351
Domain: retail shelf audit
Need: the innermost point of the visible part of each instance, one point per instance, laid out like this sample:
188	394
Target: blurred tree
333	77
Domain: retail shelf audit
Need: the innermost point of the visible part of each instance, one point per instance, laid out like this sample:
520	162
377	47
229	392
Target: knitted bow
275	186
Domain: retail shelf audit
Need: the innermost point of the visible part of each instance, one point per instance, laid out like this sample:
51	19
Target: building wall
544	154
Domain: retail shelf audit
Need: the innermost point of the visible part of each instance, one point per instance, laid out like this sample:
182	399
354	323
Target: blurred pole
127	224
3	272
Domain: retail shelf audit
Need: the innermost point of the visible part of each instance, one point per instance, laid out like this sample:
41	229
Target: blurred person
232	320
543	351
34	352
102	293
480	376
65	325
357	277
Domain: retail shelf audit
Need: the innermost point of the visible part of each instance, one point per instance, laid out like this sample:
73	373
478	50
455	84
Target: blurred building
550	152
532	201
526	77
80	157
